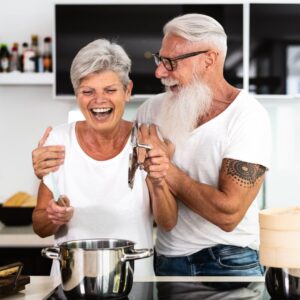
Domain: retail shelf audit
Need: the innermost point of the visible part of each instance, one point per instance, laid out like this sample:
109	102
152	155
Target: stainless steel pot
283	283
96	268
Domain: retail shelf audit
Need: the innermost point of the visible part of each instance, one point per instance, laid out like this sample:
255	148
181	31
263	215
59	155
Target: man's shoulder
249	104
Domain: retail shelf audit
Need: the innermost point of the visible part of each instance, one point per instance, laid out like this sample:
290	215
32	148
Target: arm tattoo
243	173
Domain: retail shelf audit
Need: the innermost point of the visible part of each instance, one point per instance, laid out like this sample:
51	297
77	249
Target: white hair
97	56
197	28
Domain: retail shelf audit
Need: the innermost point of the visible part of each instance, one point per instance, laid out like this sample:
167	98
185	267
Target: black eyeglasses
171	63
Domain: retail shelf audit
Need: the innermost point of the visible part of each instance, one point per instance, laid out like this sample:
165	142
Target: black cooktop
187	291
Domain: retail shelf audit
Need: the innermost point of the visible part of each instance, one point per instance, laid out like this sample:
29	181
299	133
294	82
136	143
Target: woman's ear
129	90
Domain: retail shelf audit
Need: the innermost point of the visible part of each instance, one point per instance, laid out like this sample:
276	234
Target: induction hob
186	291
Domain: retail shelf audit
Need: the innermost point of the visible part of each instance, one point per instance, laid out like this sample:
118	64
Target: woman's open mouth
101	113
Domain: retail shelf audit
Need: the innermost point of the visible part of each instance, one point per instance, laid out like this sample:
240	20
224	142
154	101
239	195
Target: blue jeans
221	260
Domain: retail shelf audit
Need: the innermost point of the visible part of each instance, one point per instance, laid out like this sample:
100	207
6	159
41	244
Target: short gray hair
198	27
97	56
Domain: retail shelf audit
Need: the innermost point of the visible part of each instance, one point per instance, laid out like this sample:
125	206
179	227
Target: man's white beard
181	112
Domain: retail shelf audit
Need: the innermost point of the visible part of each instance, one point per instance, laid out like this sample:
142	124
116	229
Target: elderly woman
94	176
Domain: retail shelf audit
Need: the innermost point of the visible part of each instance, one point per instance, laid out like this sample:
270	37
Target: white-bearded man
222	141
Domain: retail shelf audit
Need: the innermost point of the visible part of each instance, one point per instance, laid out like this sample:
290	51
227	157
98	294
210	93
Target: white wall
283	179
25	111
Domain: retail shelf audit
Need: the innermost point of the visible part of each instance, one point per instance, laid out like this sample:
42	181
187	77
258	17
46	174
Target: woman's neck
102	145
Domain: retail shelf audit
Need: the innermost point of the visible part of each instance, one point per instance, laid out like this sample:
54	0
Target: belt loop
211	253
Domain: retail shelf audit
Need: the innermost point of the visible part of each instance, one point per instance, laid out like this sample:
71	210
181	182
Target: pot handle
51	252
137	254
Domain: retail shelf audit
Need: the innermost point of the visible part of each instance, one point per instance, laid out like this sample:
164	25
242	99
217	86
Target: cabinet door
274	28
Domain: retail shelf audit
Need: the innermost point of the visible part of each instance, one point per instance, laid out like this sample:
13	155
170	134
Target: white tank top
104	205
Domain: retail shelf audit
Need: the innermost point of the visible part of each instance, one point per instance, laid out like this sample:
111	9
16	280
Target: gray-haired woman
94	174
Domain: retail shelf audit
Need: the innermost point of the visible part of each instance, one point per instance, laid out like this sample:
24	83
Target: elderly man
222	139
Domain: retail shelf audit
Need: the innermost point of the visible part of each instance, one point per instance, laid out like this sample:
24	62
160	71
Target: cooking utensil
96	268
58	198
133	155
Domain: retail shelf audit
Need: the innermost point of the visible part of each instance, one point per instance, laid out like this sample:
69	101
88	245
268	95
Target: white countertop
41	286
22	236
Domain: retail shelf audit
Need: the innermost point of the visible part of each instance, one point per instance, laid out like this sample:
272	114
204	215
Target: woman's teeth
101	113
101	110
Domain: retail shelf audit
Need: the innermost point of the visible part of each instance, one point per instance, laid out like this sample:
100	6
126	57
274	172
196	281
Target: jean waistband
218	250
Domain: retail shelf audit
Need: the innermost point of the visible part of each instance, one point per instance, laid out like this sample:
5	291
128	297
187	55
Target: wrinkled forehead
173	45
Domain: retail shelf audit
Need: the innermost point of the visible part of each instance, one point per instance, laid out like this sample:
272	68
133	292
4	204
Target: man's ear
211	58
129	90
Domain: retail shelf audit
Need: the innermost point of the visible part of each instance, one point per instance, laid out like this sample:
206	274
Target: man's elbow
169	225
229	222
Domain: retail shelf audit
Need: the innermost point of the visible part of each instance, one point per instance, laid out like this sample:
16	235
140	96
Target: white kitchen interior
29	106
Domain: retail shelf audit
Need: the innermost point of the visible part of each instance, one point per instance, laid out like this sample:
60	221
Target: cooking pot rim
73	244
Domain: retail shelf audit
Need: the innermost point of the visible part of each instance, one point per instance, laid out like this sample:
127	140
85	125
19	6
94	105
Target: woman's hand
60	215
46	159
156	161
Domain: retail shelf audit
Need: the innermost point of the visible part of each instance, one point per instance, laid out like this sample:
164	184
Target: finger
141	155
43	168
46	154
41	173
51	163
157	152
45	136
154	161
153	130
144	134
51	151
159	168
170	147
65	200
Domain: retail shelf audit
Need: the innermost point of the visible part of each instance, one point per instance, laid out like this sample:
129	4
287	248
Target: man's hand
46	159
157	160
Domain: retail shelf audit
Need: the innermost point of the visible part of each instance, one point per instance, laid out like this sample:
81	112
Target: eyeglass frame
161	59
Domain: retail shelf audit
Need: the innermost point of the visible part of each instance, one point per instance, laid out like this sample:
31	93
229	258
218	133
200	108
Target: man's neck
221	100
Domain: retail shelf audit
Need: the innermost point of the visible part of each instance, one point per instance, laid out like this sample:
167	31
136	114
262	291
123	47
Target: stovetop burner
185	290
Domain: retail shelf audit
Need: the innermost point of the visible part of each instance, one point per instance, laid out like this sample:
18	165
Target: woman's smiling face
101	98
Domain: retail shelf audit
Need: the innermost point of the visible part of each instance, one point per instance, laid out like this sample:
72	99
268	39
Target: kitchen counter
40	288
22	236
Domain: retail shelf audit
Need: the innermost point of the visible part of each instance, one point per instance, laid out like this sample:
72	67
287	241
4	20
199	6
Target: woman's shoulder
60	134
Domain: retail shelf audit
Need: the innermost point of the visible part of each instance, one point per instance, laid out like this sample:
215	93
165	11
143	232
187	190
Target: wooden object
280	237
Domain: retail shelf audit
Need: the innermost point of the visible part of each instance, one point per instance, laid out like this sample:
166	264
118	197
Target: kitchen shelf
16	78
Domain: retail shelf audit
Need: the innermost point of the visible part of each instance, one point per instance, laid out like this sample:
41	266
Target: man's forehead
173	44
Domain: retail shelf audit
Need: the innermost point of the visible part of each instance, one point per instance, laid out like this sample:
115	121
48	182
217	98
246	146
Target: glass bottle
47	55
24	48
4	58
14	58
31	56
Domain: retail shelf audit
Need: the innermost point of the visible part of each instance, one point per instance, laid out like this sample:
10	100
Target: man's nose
161	71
